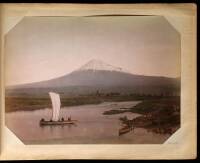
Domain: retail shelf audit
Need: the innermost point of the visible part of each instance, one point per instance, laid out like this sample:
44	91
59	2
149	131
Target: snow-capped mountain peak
100	65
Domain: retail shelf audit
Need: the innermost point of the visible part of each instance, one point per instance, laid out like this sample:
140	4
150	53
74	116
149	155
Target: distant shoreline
36	103
48	106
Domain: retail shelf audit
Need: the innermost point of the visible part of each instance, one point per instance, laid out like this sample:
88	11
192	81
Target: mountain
100	75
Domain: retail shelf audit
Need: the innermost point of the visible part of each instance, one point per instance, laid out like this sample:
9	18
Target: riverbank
14	103
158	115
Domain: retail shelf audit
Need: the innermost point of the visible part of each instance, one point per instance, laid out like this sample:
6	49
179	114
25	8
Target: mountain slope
101	75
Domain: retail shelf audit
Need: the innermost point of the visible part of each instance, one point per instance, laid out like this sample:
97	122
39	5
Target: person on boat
42	120
62	119
69	118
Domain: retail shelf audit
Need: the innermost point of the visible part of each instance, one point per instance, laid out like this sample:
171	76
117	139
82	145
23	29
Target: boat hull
124	130
57	122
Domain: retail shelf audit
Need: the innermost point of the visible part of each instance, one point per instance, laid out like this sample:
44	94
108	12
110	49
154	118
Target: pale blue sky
41	48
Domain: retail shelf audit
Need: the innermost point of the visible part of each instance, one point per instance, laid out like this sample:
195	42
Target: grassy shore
159	115
14	103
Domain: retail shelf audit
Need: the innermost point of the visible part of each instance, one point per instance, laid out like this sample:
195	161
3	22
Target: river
92	127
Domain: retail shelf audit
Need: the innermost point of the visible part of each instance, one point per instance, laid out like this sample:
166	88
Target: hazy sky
41	48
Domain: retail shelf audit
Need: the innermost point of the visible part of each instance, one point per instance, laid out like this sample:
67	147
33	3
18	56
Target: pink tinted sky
41	48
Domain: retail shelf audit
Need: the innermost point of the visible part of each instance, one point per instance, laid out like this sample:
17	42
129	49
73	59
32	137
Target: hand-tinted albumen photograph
93	80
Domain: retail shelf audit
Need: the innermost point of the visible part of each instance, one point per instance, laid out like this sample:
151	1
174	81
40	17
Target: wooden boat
124	130
55	99
65	122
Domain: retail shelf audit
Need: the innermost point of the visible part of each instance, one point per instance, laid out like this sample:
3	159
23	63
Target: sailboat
55	99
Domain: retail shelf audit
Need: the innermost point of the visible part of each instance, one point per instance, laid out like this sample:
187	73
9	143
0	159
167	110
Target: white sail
55	99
